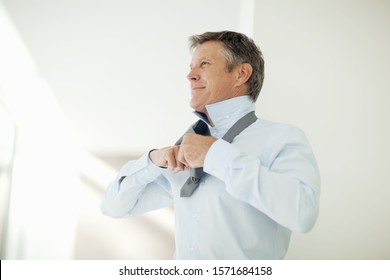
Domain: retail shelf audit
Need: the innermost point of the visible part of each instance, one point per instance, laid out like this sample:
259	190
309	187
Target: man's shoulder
263	123
277	129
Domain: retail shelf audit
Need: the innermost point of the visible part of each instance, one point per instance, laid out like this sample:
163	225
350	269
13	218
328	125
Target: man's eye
204	63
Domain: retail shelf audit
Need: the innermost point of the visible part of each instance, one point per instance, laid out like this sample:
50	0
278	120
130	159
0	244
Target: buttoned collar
226	113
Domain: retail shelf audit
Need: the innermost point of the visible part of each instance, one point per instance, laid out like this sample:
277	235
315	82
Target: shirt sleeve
282	180
139	187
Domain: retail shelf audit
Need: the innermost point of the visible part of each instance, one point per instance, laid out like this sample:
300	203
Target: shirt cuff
219	158
142	166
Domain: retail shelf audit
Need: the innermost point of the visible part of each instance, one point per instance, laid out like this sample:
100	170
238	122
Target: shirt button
146	170
196	217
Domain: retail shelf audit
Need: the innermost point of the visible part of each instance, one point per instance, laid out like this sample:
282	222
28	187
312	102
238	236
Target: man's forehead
208	50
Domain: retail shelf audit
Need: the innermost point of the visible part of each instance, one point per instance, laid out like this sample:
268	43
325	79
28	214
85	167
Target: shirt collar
226	113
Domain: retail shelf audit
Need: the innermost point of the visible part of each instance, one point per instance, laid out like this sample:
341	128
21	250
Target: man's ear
244	72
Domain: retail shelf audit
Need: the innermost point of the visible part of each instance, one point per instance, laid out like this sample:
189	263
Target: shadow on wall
150	236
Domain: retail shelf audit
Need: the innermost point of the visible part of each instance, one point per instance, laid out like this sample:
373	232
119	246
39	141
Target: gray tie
201	128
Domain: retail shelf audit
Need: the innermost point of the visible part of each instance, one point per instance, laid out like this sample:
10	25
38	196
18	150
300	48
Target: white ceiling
118	67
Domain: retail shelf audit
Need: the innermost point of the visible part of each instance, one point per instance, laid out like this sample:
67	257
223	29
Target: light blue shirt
261	187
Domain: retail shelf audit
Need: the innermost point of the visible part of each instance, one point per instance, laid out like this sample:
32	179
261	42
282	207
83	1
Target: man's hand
193	149
168	157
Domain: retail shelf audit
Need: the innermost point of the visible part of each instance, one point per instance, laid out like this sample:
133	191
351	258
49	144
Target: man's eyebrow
202	58
205	58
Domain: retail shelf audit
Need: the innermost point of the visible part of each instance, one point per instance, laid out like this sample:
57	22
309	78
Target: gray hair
238	49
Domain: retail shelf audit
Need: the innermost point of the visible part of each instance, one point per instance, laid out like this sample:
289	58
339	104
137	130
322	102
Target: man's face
210	81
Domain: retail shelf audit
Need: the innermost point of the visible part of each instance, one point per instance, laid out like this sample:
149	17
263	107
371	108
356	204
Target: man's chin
200	109
194	105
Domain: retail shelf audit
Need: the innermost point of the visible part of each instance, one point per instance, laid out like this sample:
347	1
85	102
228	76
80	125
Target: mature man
241	185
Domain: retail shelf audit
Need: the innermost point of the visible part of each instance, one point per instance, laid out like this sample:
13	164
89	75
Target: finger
157	157
181	158
179	165
171	158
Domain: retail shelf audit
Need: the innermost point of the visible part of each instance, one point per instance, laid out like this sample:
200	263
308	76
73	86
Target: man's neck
219	113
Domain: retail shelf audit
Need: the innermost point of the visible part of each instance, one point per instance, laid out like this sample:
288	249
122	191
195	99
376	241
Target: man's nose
193	75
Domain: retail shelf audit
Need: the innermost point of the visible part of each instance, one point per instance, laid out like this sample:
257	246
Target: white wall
112	63
41	218
117	64
327	70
